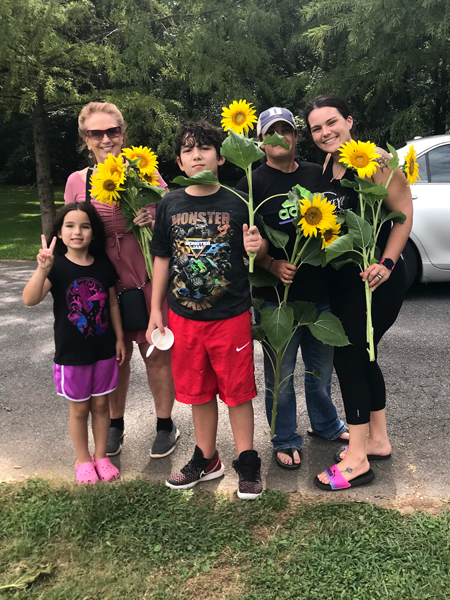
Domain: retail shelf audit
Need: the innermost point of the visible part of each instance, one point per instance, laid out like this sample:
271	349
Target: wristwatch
388	263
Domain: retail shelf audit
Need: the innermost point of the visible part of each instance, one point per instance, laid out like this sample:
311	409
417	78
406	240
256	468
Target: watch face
388	263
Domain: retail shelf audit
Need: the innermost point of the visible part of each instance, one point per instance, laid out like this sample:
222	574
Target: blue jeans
321	410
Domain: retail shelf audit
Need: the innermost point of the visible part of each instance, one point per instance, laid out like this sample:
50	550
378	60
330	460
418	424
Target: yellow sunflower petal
105	187
360	156
316	214
114	166
150	178
148	161
411	168
238	117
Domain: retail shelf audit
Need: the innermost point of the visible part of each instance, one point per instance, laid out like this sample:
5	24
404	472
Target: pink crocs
86	473
105	469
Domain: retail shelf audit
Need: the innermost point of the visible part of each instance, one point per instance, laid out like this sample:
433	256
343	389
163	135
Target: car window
423	173
439	162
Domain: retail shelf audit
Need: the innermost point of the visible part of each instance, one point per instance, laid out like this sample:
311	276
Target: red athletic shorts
213	357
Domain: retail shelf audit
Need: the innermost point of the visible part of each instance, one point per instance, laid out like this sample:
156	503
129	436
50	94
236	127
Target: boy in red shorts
199	240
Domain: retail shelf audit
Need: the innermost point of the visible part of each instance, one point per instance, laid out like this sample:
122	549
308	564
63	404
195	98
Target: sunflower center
327	235
313	215
143	163
411	165
109	185
239	118
360	160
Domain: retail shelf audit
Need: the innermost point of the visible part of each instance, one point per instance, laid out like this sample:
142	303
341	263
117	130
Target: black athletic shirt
309	282
83	328
202	236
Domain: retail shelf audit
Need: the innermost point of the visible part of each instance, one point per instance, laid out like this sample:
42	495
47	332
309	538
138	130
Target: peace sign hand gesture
45	257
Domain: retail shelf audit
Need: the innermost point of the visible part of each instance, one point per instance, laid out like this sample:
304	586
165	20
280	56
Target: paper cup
163	342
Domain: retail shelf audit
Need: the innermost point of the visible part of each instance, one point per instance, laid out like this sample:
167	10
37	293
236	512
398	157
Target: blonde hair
100	107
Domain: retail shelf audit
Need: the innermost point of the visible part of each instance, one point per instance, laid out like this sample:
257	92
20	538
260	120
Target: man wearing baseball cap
278	175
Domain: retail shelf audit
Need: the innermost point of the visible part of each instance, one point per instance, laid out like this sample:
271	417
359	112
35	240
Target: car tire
411	263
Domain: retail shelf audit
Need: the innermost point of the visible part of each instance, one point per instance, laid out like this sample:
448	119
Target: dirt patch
218	584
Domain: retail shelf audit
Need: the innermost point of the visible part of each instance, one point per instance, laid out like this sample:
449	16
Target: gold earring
90	154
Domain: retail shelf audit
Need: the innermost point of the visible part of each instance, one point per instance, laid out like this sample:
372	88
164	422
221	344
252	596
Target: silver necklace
338	175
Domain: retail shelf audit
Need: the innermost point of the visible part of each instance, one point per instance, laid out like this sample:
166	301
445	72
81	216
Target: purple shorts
79	383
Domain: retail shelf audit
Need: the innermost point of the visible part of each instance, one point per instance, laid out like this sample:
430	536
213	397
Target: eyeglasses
97	134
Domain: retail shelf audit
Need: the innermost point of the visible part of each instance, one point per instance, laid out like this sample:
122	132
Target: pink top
121	246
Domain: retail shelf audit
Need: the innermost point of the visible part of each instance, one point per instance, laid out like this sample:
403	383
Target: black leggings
361	381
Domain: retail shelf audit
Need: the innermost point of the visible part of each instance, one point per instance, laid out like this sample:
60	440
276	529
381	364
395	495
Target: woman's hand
45	256
143	218
376	274
283	270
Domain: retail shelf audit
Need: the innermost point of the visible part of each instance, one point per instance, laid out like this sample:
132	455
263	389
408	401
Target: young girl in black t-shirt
88	330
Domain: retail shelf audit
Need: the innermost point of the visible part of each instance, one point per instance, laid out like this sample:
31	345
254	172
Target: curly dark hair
196	133
97	245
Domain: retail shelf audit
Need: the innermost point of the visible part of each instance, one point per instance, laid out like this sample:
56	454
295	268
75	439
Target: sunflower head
148	161
330	234
316	214
114	166
150	178
360	156
106	186
411	167
238	117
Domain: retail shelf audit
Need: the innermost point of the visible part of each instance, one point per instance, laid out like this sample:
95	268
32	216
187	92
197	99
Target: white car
427	253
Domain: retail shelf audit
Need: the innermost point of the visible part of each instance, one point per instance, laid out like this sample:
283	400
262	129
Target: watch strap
388	263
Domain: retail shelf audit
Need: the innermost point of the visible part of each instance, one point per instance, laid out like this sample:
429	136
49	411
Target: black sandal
288	452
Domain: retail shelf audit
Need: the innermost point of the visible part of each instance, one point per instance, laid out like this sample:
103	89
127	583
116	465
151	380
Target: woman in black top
361	381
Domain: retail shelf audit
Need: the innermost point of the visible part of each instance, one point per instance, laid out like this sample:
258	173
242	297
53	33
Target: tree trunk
43	173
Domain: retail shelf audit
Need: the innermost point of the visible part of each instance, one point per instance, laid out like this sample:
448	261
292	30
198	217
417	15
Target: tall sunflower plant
130	181
362	228
316	227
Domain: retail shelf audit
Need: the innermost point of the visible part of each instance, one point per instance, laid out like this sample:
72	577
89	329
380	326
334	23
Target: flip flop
338	481
289	452
370	457
312	433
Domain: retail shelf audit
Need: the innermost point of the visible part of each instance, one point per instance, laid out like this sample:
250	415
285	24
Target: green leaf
257	303
348	184
203	178
304	193
359	228
304	312
277	322
258	333
28	578
328	329
395	215
149	195
345	259
394	161
262	278
240	150
313	253
278	238
343	244
377	190
275	140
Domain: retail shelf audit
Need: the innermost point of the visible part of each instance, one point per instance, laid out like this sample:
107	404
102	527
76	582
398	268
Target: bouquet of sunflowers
359	244
130	181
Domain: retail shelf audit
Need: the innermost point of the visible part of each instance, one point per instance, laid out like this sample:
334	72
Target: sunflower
148	161
106	185
238	117
360	156
317	214
330	234
116	168
150	178
411	168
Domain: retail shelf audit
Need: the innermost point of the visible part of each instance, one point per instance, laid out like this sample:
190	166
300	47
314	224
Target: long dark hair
97	245
327	100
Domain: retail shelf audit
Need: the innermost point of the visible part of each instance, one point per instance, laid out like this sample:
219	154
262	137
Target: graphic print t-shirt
202	236
278	213
83	329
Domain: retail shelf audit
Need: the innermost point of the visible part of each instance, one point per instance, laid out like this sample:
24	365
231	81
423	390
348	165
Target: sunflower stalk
251	214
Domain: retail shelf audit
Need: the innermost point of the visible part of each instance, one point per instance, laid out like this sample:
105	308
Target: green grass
138	540
20	221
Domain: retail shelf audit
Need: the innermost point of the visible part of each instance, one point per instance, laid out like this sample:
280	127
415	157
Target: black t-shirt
83	329
202	236
309	282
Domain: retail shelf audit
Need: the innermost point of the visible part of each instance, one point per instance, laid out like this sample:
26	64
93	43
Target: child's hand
120	351
45	257
252	239
155	322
